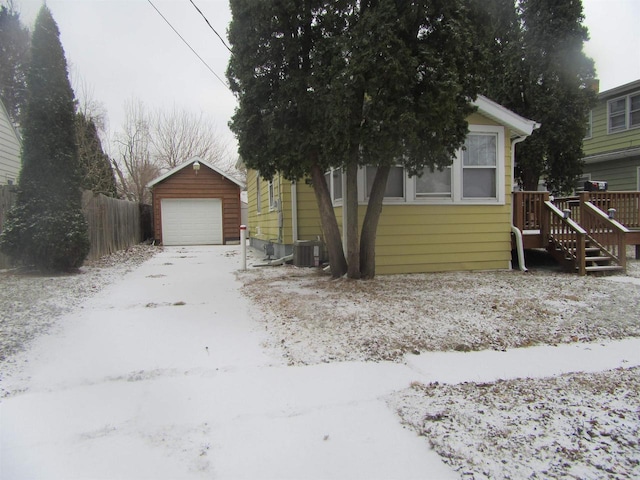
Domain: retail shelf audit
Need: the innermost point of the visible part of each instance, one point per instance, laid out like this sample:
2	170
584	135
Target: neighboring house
457	219
10	146
196	204
612	145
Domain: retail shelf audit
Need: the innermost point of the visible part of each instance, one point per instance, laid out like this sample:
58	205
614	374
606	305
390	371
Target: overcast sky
123	50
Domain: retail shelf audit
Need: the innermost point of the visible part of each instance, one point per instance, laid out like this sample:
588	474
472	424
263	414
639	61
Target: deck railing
567	236
605	232
626	205
528	208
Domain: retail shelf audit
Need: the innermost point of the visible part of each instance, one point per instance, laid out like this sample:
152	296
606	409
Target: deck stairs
597	260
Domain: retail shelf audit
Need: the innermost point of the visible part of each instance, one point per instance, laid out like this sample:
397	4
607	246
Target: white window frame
589	132
272	195
331	176
627	113
411	198
457	168
364	187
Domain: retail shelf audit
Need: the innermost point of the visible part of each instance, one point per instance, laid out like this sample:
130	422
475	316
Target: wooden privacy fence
113	224
7	197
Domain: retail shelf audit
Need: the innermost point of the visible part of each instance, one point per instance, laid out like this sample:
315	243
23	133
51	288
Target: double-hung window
624	113
480	165
474	175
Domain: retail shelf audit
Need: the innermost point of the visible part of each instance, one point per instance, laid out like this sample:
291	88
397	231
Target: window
334	182
258	193
436	183
634	111
479	166
395	182
272	197
624	113
589	129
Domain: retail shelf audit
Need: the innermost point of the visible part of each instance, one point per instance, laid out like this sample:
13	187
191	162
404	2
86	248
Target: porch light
567	213
612	213
196	166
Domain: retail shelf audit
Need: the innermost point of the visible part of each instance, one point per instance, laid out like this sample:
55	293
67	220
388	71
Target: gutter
515	230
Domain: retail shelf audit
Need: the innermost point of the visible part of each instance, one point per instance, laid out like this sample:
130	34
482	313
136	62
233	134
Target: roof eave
519	126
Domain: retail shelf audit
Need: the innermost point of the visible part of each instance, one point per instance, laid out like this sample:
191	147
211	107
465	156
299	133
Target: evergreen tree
96	171
14	61
540	71
46	228
348	83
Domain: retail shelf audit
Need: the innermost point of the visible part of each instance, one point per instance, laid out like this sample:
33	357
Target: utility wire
210	26
187	44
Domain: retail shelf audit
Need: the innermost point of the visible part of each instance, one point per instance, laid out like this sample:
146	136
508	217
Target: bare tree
135	166
178	135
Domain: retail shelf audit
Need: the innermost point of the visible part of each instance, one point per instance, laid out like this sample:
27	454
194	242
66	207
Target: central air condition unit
307	253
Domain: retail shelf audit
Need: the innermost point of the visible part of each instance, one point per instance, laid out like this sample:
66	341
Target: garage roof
188	163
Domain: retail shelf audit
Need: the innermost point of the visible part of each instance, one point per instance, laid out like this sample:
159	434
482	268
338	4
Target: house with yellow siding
459	218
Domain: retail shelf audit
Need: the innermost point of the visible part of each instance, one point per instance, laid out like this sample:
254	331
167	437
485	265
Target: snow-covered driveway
165	375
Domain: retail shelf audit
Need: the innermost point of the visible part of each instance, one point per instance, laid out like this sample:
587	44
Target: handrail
608	234
566	235
527	209
626	204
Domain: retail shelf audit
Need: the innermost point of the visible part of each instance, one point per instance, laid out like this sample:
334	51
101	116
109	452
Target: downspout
294	211
515	230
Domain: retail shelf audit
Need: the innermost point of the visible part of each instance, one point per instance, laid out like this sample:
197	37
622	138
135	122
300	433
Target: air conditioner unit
307	253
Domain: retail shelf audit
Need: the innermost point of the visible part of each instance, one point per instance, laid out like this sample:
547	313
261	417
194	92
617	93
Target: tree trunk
370	224
329	223
351	205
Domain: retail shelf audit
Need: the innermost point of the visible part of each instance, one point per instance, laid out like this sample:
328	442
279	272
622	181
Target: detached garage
196	204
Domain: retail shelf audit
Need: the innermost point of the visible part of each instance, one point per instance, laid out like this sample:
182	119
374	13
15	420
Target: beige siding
9	150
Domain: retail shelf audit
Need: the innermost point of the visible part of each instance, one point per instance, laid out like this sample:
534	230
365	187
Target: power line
187	44
210	26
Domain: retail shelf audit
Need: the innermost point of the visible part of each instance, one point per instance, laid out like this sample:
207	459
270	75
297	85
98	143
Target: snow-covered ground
155	366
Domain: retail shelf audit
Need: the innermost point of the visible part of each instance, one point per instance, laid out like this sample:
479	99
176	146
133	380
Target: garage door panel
192	221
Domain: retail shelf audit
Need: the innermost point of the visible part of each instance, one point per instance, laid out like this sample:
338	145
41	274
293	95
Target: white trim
294	211
518	125
457	169
627	113
589	134
190	162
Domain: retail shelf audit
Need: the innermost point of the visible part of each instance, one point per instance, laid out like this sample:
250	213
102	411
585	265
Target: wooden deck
588	233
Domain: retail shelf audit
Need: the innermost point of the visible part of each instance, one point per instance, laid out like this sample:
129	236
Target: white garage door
191	221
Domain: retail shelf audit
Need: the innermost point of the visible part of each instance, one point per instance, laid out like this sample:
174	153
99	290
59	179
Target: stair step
604	268
597	259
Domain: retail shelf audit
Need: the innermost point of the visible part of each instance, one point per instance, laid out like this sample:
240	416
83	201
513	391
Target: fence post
243	246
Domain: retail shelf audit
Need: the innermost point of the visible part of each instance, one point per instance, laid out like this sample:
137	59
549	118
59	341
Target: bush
48	240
